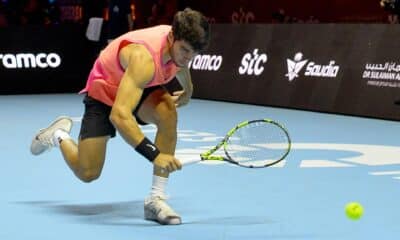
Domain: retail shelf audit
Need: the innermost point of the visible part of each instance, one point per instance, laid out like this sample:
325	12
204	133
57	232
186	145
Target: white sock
158	187
60	135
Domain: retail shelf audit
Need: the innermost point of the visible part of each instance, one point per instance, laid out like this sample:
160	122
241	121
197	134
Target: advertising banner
349	69
39	59
337	68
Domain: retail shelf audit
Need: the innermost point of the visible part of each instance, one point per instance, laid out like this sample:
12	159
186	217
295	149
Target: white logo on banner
312	69
206	62
294	66
29	60
252	63
242	17
382	75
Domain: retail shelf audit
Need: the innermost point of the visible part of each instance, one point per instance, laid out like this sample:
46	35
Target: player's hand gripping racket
252	144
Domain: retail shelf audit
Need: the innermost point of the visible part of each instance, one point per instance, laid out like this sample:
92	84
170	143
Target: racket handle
185	162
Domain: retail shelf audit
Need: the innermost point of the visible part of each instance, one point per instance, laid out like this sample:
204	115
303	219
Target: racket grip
185	162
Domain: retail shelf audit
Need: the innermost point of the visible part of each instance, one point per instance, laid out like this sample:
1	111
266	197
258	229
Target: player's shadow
116	213
130	213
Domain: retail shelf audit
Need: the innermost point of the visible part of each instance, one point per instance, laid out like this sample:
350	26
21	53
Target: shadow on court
131	213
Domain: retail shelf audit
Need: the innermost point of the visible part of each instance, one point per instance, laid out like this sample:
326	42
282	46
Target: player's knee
167	116
89	175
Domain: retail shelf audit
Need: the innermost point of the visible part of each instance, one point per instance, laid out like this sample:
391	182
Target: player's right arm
139	70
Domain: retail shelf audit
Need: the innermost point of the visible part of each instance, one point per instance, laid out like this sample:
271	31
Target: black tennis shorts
96	121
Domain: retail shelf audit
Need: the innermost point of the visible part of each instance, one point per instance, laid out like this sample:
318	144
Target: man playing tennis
125	89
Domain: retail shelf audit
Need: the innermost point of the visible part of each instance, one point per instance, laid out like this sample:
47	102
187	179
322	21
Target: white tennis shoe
43	140
156	209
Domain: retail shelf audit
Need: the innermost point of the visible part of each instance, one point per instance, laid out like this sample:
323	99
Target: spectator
162	12
280	16
142	12
53	13
120	18
93	8
3	15
25	12
33	12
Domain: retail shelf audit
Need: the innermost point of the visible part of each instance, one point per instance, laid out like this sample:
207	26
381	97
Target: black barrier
350	69
40	59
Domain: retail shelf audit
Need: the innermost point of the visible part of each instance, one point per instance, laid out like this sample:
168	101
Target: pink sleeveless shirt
107	72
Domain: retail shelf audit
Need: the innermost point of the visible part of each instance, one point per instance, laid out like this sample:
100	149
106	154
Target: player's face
182	53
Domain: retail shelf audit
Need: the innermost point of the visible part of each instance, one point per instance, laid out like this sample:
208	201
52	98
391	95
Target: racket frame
224	142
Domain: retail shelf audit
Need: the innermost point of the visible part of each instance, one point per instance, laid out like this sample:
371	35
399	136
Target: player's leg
159	108
86	159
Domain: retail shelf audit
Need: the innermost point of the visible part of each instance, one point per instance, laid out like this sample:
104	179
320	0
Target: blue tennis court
334	160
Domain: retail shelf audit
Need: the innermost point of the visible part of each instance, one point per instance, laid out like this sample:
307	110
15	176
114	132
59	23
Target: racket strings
257	144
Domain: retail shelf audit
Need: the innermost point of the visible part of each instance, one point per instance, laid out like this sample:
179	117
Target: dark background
352	33
351	46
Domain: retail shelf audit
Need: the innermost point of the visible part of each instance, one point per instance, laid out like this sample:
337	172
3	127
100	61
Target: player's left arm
184	78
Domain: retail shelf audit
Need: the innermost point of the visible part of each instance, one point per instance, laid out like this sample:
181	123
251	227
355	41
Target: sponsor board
312	69
206	62
382	75
30	60
253	63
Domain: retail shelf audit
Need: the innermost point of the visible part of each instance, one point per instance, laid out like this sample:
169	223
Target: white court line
77	119
322	163
385	173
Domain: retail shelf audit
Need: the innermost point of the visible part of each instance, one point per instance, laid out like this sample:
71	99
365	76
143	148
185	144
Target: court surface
335	159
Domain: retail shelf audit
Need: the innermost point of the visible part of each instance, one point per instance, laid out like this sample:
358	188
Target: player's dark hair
191	26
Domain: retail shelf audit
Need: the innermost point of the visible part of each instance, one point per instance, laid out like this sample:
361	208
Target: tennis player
125	90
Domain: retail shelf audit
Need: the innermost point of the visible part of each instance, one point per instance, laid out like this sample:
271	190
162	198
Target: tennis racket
251	144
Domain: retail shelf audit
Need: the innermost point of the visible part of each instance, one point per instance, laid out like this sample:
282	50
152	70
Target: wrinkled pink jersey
107	72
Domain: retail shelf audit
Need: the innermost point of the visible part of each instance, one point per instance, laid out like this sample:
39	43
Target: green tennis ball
354	210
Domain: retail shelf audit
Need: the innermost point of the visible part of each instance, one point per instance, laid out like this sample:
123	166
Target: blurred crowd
130	14
280	16
51	12
20	12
